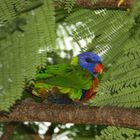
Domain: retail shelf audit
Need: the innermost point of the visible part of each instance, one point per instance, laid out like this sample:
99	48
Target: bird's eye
89	60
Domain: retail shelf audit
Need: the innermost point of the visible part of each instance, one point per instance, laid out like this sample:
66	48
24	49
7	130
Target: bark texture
105	4
32	111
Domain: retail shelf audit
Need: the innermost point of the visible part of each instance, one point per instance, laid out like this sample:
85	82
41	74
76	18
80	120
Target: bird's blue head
91	62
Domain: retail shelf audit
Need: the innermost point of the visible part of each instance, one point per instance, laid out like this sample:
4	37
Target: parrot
78	80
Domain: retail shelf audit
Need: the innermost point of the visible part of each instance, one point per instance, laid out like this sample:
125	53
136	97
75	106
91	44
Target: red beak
98	68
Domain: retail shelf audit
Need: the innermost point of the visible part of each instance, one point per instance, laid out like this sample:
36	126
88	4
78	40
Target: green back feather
66	76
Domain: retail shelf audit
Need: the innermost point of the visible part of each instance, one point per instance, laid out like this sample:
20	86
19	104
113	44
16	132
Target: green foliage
67	4
114	35
94	1
117	133
28	34
26	37
121	82
79	131
25	32
103	33
24	131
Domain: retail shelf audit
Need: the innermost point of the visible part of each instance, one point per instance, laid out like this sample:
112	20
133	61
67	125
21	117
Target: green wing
68	76
70	79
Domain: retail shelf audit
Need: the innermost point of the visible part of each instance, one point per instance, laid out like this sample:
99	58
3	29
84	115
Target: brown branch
110	4
9	131
31	111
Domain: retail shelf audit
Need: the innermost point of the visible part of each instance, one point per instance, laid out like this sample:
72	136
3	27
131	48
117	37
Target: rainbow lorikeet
77	80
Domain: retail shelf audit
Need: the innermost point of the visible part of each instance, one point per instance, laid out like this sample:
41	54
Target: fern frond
22	51
7	12
120	83
118	133
104	35
127	97
67	4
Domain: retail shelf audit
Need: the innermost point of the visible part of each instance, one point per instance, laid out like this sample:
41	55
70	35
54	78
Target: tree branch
111	4
32	111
